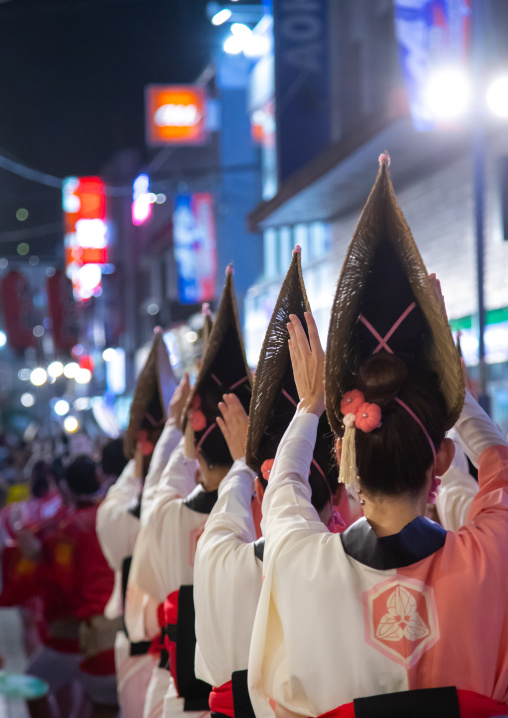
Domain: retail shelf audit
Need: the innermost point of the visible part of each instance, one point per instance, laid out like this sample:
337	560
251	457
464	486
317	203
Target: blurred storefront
370	106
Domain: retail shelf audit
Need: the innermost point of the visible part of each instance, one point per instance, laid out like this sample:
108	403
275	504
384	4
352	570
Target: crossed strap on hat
313	462
383	344
383	341
214	424
367	417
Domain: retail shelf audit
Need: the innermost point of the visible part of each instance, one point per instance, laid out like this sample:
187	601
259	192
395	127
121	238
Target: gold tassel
347	474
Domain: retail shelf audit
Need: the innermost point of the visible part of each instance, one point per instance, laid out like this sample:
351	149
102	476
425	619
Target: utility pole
479	147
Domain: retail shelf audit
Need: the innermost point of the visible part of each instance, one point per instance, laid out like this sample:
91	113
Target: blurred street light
222	16
38	377
27	399
82	403
62	407
109	354
71	424
233	45
70	370
55	369
497	97
3	339
448	94
83	376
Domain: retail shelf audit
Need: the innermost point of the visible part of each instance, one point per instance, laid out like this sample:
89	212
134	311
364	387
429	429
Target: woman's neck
389	515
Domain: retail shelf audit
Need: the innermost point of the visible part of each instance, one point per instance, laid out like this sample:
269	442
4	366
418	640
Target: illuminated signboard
175	115
195	247
141	201
86	244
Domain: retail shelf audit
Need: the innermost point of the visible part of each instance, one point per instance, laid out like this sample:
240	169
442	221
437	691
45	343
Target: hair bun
381	378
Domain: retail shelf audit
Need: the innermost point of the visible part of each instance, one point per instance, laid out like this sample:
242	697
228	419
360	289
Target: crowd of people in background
265	548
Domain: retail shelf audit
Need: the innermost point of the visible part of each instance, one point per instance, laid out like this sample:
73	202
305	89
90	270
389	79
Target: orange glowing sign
175	115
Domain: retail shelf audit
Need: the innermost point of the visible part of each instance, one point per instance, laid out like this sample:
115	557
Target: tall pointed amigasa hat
275	398
224	370
385	302
154	389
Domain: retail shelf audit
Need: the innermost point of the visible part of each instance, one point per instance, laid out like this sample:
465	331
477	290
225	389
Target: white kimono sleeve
476	430
168	441
145	587
227	580
292	527
117	528
457	491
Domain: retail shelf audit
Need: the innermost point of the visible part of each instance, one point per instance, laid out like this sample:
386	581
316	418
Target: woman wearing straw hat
396	616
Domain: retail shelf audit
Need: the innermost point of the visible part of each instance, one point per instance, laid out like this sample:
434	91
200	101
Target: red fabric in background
79	568
103	664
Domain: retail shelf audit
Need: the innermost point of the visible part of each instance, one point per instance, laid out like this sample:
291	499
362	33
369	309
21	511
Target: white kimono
457	491
148	575
227	582
117	531
344	617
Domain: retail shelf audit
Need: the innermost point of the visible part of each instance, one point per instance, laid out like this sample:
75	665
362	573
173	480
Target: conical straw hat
385	302
224	370
274	397
154	389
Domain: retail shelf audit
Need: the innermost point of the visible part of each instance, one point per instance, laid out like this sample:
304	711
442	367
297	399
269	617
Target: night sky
72	74
72	79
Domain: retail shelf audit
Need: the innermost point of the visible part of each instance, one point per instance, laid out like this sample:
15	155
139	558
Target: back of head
323	476
394	458
81	476
113	459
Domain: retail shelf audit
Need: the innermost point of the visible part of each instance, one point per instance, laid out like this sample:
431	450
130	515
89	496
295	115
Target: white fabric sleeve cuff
476	430
241	473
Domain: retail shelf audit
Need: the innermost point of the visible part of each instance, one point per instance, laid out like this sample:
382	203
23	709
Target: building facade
319	204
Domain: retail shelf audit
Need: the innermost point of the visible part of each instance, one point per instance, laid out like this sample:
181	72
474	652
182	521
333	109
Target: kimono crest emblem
401	619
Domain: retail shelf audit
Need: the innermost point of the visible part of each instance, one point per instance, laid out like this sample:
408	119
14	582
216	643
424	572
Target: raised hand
179	400
233	424
308	361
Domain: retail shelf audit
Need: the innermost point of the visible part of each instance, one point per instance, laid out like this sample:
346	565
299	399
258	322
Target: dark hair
321	489
394	459
113	459
39	482
81	475
214	448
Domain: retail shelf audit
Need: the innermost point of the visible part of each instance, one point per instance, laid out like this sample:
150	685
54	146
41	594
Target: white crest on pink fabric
401	621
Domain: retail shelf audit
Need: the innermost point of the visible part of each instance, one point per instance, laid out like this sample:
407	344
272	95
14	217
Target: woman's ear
444	457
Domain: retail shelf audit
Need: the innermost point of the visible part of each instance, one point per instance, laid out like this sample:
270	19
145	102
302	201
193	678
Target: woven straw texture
382	274
275	363
224	358
271	411
154	389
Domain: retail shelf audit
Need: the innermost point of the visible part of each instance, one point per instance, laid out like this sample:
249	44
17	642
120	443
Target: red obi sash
171	619
471	705
157	643
221	700
103	664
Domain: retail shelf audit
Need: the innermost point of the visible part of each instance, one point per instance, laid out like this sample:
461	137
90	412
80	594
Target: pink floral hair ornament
197	420
368	417
266	468
358	414
351	402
